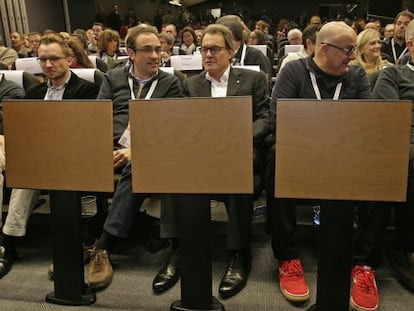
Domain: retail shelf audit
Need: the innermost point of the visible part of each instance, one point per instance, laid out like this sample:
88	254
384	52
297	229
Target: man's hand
121	157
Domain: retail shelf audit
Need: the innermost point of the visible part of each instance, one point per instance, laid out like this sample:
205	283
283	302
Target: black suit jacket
242	82
255	57
76	88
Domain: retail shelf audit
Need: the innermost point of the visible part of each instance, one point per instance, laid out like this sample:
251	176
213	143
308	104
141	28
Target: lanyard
150	91
394	53
243	55
316	88
410	66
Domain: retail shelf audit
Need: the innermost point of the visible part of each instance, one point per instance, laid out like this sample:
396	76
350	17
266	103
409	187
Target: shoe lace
364	280
98	258
292	269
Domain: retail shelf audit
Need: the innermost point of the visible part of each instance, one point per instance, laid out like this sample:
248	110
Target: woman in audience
79	57
257	37
189	39
368	54
108	46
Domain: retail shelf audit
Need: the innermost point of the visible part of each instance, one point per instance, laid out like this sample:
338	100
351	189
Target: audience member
309	39
114	19
395	83
79	57
17	43
243	54
264	27
326	74
55	60
356	27
188	39
172	30
315	20
294	36
199	33
219	80
7	55
396	47
141	80
108	47
167	43
368	52
131	19
34	39
65	35
8	90
97	29
388	32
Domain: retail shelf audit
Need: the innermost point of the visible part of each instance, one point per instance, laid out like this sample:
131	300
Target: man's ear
131	53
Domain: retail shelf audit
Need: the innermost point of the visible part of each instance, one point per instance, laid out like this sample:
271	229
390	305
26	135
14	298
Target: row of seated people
219	79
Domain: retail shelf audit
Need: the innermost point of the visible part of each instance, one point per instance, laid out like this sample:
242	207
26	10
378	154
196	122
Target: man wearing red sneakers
326	74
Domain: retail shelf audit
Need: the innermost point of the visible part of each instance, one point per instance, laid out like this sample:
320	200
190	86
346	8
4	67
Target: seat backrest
89	74
14	75
21	78
93	58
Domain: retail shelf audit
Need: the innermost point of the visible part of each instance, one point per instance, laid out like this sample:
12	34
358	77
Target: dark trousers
239	211
125	205
369	237
281	215
404	213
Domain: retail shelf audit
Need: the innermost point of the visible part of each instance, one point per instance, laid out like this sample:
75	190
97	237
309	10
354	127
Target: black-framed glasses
214	50
347	50
51	59
149	49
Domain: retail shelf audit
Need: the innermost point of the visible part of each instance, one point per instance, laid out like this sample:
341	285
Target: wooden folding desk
63	146
341	150
193	146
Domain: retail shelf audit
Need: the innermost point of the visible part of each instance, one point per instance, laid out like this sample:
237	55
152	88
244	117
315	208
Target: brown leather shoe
100	270
86	258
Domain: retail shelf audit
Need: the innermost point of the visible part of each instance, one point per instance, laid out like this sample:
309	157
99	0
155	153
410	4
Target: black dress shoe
7	258
236	275
403	265
168	275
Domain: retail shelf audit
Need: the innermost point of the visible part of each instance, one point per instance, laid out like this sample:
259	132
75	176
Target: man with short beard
395	48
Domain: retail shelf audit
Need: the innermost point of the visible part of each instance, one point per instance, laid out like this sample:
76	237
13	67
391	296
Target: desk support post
66	221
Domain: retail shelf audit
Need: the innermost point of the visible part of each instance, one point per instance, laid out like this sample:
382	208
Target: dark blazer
77	88
255	57
242	82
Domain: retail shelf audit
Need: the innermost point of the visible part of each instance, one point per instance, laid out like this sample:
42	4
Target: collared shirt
56	93
219	88
138	82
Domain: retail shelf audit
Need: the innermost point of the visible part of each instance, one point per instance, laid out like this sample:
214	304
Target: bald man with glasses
326	74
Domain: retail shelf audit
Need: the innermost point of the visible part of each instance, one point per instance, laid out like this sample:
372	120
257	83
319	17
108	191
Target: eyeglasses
348	50
214	50
149	49
51	59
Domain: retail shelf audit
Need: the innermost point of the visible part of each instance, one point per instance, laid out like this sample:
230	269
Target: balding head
335	48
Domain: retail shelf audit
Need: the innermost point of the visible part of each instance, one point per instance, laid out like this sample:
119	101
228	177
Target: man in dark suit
244	54
220	80
55	60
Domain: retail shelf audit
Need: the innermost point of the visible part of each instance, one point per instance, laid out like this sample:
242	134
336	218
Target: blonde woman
368	52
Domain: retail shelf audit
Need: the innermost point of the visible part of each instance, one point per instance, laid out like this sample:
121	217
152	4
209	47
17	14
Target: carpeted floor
26	286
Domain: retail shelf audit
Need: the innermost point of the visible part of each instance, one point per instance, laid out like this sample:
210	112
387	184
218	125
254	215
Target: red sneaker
292	281
364	291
